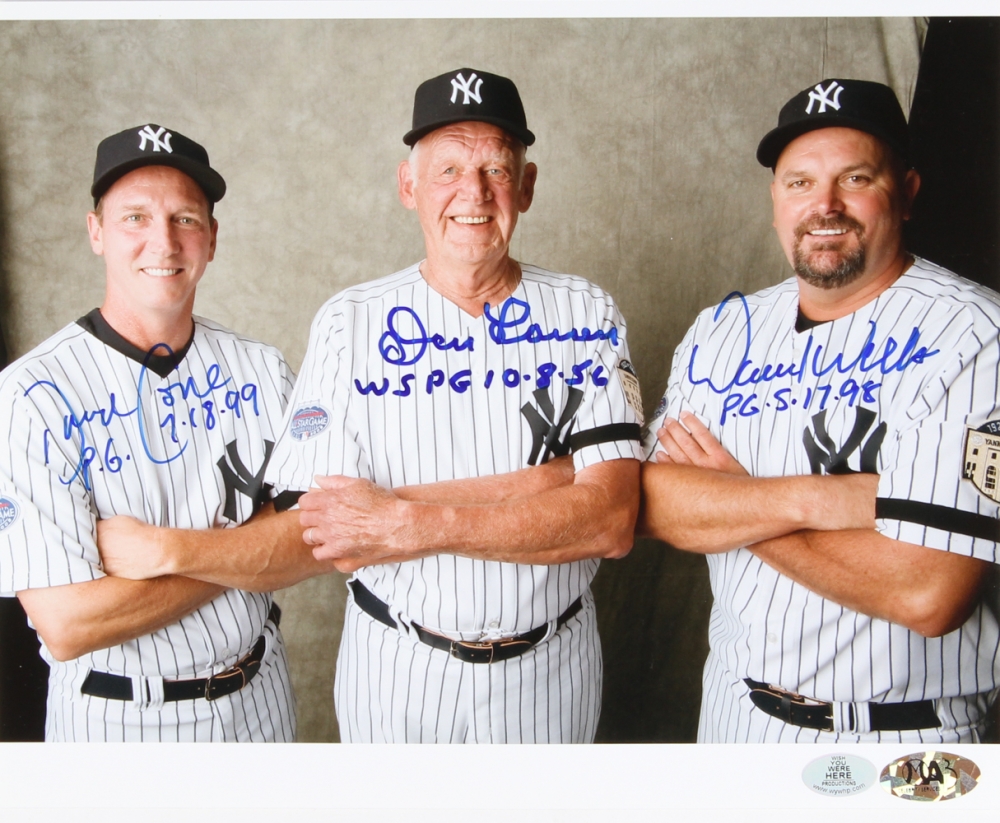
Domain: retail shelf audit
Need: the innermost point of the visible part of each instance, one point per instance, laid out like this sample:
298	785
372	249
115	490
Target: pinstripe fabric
911	402
402	413
390	687
88	432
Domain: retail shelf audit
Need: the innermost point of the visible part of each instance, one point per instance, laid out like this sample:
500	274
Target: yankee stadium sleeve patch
630	382
982	458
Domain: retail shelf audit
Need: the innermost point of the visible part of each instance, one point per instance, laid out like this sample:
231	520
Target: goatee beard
850	265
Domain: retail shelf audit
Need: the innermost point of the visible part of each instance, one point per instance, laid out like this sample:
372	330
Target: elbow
63	637
935	616
619	547
618	537
63	644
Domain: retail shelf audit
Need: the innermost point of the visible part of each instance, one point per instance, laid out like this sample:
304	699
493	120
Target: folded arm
268	552
928	591
697	497
82	617
355	524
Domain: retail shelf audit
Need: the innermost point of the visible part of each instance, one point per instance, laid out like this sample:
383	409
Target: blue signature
502	325
401	349
392	344
871	358
203	412
867	358
460	381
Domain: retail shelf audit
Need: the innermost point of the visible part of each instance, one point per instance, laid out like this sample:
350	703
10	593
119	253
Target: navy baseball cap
853	104
153	145
468	94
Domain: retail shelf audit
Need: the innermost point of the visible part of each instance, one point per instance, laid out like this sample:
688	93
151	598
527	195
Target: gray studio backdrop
647	185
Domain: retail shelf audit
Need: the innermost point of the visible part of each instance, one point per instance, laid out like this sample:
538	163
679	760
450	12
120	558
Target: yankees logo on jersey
94	427
424	392
892	389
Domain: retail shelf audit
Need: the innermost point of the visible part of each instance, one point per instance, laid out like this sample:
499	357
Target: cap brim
770	148
523	135
208	179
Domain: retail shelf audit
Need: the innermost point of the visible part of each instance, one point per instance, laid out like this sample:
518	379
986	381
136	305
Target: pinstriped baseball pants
392	688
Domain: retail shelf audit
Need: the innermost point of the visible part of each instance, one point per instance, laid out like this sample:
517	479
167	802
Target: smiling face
468	183
156	235
840	199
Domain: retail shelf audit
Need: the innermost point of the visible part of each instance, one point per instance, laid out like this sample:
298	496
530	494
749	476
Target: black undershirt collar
803	323
161	364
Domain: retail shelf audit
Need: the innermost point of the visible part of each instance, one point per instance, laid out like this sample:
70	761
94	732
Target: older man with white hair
438	397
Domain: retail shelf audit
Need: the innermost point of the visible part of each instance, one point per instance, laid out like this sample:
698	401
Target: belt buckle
213	691
790	698
474	649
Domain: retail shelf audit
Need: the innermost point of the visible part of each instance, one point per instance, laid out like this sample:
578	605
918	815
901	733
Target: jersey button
772	638
494	624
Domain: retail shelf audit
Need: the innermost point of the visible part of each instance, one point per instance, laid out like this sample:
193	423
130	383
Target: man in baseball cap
502	393
838	463
116	414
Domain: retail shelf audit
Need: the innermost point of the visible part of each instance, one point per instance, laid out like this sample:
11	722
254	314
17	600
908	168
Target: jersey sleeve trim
605	434
283	501
938	517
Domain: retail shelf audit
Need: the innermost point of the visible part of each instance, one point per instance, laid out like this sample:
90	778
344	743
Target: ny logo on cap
460	84
147	133
822	96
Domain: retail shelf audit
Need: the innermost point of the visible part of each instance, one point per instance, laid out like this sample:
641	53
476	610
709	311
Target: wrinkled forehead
471	137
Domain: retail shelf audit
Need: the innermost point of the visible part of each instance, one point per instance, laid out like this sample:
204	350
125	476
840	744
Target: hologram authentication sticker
930	776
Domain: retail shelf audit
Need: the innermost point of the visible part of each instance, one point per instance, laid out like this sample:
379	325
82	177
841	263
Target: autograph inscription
406	341
199	403
873	359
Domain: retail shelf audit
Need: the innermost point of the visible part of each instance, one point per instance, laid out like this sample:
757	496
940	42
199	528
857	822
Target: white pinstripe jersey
89	432
400	386
890	389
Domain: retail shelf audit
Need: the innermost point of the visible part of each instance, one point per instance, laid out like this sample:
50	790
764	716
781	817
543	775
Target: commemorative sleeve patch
308	421
661	407
630	382
982	458
9	512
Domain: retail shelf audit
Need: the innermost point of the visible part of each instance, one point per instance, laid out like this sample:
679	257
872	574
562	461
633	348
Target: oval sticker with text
839	775
930	776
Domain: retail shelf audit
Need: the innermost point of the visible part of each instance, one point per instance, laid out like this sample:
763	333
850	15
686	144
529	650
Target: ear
528	177
405	181
94	230
215	237
911	185
774	182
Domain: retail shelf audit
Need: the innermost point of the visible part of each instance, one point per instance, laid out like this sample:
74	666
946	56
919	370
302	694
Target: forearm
495	488
83	617
928	591
707	511
354	523
569	523
265	554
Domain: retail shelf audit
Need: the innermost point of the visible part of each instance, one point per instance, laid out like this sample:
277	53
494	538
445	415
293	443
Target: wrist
164	561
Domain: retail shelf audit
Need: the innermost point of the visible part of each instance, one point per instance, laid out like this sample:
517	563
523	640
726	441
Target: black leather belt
464	650
119	687
815	714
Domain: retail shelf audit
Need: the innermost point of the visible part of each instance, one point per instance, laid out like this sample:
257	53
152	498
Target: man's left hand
688	442
352	523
